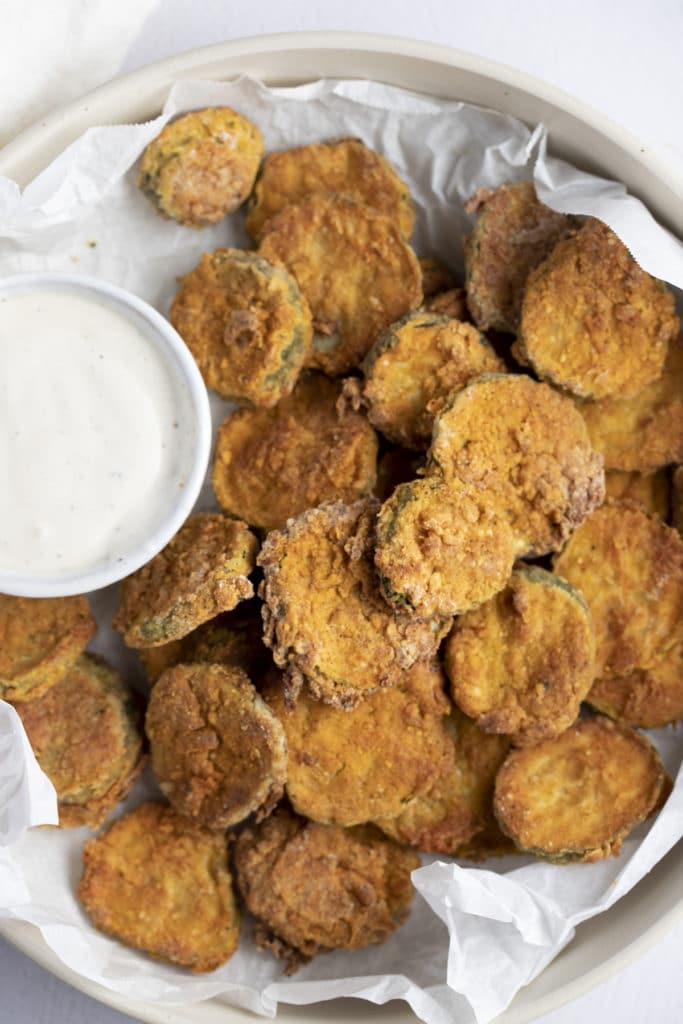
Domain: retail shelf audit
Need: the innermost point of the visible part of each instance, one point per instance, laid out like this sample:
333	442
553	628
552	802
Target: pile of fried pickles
441	595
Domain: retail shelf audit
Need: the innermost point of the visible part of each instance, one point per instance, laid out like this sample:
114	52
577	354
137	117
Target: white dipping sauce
91	446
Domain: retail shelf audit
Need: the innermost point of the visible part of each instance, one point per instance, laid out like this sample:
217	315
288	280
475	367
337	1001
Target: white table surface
624	58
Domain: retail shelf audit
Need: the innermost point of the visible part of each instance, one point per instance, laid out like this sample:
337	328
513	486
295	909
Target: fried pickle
218	752
354	268
650	489
201	166
246	324
576	797
271	465
202	571
343	167
436	277
316	887
162	885
629	567
593	321
40	639
325	619
452	303
647	698
522	663
513	233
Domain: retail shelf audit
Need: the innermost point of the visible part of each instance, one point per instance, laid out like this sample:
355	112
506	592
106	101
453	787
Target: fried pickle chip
513	233
650	489
593	321
202	571
414	366
522	663
645	432
271	465
316	887
458	806
510	434
490	842
436	277
452	303
86	734
576	797
354	268
325	619
201	166
348	767
40	639
344	167
629	567
647	698
160	884
218	752
396	466
246	324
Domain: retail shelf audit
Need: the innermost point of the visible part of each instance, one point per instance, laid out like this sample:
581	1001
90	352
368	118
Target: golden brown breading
522	663
396	466
202	571
644	432
650	489
593	321
218	752
647	697
344	167
201	166
246	323
87	737
452	303
348	767
40	639
577	796
353	266
629	567
414	366
325	619
513	233
436	277
160	884
490	842
320	887
271	465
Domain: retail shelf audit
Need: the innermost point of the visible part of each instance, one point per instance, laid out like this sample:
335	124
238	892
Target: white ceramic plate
609	942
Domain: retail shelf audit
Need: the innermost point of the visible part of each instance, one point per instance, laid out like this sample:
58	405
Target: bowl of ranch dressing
105	433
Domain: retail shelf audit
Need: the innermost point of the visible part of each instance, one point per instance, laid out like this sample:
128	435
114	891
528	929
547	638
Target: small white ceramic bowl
191	407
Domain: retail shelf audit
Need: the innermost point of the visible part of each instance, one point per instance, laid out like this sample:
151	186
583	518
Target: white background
624	58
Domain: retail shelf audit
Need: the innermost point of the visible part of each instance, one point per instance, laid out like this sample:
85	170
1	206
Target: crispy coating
490	842
513	435
348	767
522	663
202	571
320	887
577	796
325	619
344	167
271	465
677	498
513	233
647	697
201	166
414	366
650	489
451	303
436	277
40	639
160	884
593	321
246	324
396	466
645	432
86	734
458	806
218	752
629	567
353	266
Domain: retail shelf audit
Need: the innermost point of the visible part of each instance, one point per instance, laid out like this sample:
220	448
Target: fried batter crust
320	887
651	490
160	884
592	321
202	571
647	698
271	465
325	619
576	797
40	639
201	166
629	567
522	663
354	268
218	752
452	303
